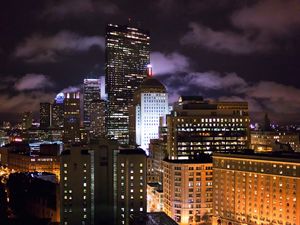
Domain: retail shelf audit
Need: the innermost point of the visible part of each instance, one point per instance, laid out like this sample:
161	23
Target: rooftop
270	156
151	82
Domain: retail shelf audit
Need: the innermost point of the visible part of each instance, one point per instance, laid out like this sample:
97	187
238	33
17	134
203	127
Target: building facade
196	126
98	113
187	190
254	188
91	92
71	118
58	111
150	107
131	184
127	55
45	114
264	141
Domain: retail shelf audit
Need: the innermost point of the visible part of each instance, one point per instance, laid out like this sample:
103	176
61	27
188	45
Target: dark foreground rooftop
153	218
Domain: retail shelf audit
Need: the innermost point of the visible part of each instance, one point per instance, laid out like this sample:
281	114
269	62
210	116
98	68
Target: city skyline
244	53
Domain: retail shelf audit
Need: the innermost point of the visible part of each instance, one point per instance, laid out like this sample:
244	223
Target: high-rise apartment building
87	176
187	190
196	126
131	184
150	106
91	92
127	55
58	111
71	118
256	188
98	118
45	114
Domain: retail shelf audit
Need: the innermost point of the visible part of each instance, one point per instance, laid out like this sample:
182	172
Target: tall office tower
257	188
91	92
87	184
150	106
132	184
27	119
45	114
187	188
196	126
98	118
71	118
127	56
58	111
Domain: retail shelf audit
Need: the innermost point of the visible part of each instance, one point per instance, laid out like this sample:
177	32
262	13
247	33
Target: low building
266	141
187	188
256	188
155	197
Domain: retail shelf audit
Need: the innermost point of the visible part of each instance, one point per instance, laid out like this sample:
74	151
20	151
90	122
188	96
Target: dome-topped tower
150	104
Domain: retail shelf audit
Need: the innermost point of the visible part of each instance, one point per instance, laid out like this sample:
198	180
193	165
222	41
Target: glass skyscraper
127	56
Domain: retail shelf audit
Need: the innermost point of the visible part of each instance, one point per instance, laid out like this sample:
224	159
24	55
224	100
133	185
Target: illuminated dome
60	98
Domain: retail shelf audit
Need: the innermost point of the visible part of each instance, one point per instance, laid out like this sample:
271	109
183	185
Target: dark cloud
256	27
32	82
224	41
269	17
24	101
70	8
39	48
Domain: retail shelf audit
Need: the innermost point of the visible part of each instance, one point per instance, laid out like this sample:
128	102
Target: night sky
221	49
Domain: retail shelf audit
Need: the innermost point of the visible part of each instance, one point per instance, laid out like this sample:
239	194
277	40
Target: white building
149	110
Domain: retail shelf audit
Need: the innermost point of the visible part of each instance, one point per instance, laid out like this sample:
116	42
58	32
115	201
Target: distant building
91	92
71	118
98	116
188	189
45	114
131	184
58	111
27	120
262	188
21	160
127	55
150	107
266	141
197	126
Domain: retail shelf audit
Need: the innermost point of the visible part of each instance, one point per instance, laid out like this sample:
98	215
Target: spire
150	74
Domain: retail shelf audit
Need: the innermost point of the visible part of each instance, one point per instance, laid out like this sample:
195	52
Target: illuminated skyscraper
91	92
72	117
150	106
45	114
127	56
